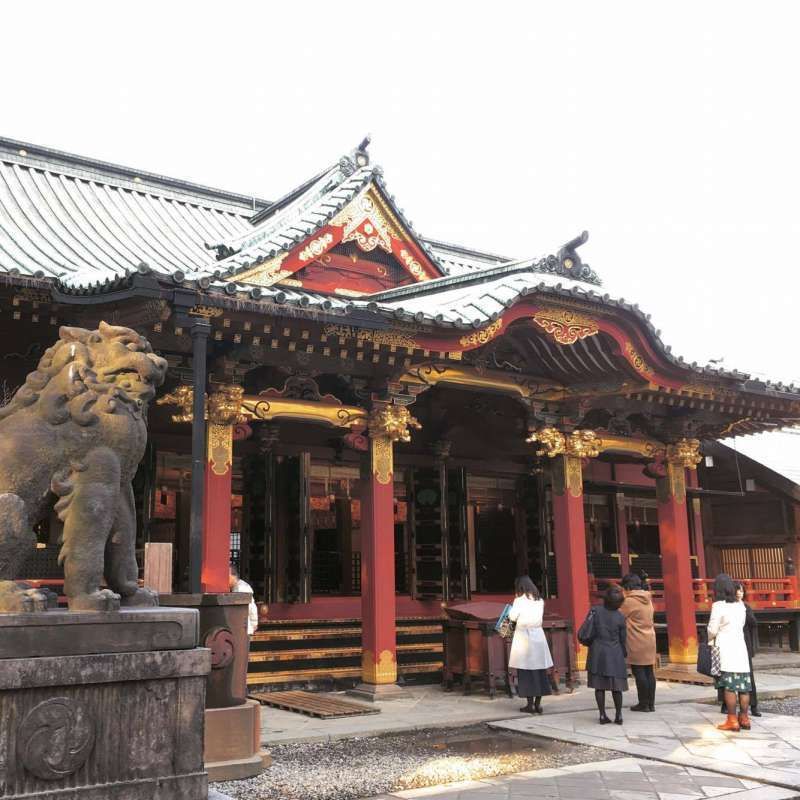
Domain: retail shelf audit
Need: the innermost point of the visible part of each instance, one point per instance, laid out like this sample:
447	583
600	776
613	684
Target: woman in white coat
530	655
726	630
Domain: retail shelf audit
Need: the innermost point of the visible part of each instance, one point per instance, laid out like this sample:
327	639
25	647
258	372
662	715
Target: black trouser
645	677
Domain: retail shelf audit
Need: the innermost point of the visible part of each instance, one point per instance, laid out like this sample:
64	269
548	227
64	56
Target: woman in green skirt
726	631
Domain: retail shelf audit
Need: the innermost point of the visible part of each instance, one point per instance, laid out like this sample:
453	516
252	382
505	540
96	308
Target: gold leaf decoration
365	224
684	453
564	325
316	247
414	267
482	336
639	364
391	337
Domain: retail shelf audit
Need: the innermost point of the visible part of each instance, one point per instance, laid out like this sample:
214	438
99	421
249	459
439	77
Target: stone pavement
684	734
430	707
620	779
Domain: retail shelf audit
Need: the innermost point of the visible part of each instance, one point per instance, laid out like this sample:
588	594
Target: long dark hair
724	588
524	585
631	582
613	598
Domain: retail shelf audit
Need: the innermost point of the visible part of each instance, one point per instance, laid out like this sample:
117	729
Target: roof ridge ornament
362	149
569	259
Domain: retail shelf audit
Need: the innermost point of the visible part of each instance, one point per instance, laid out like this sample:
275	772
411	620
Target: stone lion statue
76	429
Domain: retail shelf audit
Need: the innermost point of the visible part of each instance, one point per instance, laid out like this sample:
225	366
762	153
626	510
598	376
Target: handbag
504	626
708	662
586	632
507	627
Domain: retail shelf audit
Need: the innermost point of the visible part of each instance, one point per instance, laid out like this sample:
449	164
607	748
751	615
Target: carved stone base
372	692
233	742
107	725
233	723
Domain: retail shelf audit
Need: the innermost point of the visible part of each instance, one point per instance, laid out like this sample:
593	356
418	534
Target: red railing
761	593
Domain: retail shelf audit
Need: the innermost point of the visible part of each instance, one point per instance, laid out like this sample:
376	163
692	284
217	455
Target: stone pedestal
374	692
98	706
233	723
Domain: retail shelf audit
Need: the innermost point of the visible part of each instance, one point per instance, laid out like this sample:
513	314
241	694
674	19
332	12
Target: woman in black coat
607	653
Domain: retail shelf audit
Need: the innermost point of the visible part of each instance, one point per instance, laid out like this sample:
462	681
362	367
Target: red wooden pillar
673	530
224	406
622	533
569	542
217	509
387	425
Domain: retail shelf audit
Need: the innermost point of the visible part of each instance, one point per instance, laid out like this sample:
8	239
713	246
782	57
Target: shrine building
372	423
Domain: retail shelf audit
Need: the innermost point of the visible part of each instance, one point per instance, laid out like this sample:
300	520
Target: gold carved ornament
364	223
219	448
183	398
225	405
392	337
333	414
316	247
380	671
388	424
223	410
206	312
266	273
566	326
638	362
482	336
584	444
413	266
573	447
578	444
552	442
680	456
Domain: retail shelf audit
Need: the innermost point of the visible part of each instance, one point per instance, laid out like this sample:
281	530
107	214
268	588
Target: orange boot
744	722
730	724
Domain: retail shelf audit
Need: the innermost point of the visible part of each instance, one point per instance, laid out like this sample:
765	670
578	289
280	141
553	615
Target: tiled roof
86	222
92	225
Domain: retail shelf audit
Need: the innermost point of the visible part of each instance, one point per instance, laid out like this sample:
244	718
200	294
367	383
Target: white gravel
360	768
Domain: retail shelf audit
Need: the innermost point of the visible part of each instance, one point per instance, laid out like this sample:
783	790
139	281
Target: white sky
670	131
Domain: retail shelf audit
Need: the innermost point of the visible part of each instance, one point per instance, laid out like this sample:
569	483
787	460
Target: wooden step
298	634
335	652
321	673
272	623
313	704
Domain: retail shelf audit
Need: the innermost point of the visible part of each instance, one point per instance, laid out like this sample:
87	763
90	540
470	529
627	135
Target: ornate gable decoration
363	223
564	325
368	221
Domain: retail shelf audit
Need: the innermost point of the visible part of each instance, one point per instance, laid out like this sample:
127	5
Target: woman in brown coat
638	612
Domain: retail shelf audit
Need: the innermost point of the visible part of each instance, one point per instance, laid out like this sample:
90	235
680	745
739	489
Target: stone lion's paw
142	598
101	600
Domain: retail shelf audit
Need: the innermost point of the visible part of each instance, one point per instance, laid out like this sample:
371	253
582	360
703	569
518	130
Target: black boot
528	709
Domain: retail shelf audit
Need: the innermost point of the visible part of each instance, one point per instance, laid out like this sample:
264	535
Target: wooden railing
761	593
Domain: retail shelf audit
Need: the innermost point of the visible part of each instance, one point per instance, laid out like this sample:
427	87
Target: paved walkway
685	734
430	707
620	779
